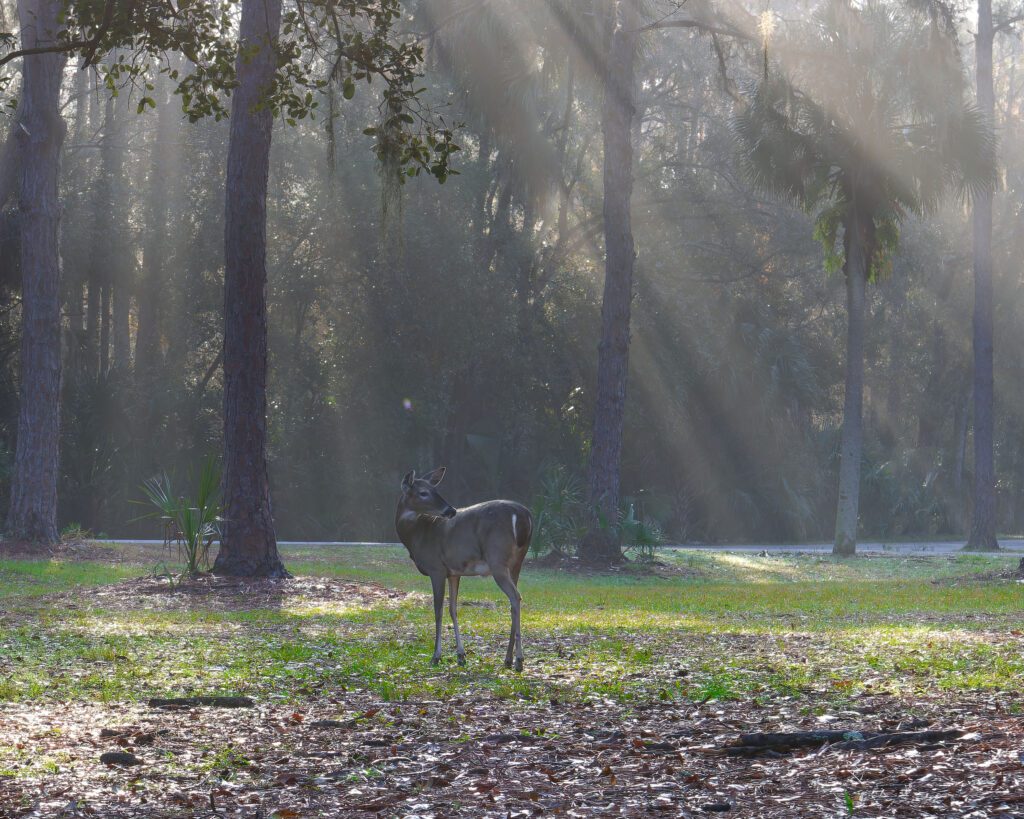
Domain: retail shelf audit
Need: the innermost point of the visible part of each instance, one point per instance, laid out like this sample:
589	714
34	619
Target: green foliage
355	39
869	123
558	511
561	518
191	524
75	532
639	535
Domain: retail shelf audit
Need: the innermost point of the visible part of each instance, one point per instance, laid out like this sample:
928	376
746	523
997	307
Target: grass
719	626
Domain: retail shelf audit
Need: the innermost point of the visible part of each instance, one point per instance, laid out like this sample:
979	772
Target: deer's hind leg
515	637
438	586
453	610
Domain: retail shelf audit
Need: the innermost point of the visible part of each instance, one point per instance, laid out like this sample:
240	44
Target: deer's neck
412	527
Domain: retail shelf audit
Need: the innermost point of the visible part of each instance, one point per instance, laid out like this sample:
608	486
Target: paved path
869	547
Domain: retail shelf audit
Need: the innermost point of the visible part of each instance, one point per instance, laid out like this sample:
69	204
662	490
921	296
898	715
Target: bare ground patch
74	549
213	593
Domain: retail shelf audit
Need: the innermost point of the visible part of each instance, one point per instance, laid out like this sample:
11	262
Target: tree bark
982	536
33	512
852	439
248	544
601	544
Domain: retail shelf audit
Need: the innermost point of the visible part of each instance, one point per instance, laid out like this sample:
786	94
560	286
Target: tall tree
40	134
601	544
982	536
248	543
870	127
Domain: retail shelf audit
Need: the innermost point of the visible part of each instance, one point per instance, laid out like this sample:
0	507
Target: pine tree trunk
601	544
33	512
852	439
249	545
983	522
104	324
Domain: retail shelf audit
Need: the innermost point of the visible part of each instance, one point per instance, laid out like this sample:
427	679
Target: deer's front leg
453	609
438	585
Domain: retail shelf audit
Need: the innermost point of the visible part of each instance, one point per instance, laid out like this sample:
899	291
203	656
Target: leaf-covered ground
635	685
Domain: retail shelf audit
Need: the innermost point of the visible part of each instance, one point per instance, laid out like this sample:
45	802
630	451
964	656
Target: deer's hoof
508	662
435	660
461	659
519	663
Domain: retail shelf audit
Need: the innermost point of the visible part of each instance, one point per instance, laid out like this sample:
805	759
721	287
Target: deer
447	544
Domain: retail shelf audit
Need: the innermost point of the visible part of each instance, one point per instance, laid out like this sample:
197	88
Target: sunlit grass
730	626
35	577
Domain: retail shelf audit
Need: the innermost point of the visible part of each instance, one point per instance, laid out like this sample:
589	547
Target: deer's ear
410	476
435	477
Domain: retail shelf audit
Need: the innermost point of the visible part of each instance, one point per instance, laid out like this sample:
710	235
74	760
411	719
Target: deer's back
495	533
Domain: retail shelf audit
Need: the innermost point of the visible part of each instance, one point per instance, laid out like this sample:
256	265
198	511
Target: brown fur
447	544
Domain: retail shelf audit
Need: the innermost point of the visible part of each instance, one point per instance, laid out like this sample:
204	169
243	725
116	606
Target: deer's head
420	496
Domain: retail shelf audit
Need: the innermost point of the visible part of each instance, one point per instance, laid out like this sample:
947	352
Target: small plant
74	532
162	572
191	524
640	534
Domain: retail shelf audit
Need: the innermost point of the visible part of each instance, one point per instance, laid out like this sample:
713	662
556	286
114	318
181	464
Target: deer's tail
522	526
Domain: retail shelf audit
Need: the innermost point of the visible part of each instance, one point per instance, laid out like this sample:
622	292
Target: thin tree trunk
76	175
601	543
33	512
960	423
249	545
852	439
92	323
161	190
121	262
983	522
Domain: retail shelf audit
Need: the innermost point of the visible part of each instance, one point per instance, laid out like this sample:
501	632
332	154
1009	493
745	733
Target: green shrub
191	524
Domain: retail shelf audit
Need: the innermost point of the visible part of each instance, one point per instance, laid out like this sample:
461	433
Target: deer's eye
424	495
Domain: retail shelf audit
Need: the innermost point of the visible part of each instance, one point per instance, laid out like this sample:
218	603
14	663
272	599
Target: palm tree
869	126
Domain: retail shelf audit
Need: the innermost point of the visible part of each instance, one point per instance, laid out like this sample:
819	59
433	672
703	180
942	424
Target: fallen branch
498	739
119	758
212	702
753	744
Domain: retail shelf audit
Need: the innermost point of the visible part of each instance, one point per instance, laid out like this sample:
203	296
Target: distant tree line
635	294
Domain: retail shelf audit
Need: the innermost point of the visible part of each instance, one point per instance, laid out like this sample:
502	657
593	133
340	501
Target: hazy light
766	25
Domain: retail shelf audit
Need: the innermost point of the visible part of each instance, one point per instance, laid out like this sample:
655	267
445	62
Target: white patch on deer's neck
408	516
513	526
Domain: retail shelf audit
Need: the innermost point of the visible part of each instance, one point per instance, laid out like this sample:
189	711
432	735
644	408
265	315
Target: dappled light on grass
666	669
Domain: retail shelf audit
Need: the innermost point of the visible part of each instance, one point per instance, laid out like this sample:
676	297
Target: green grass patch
712	626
